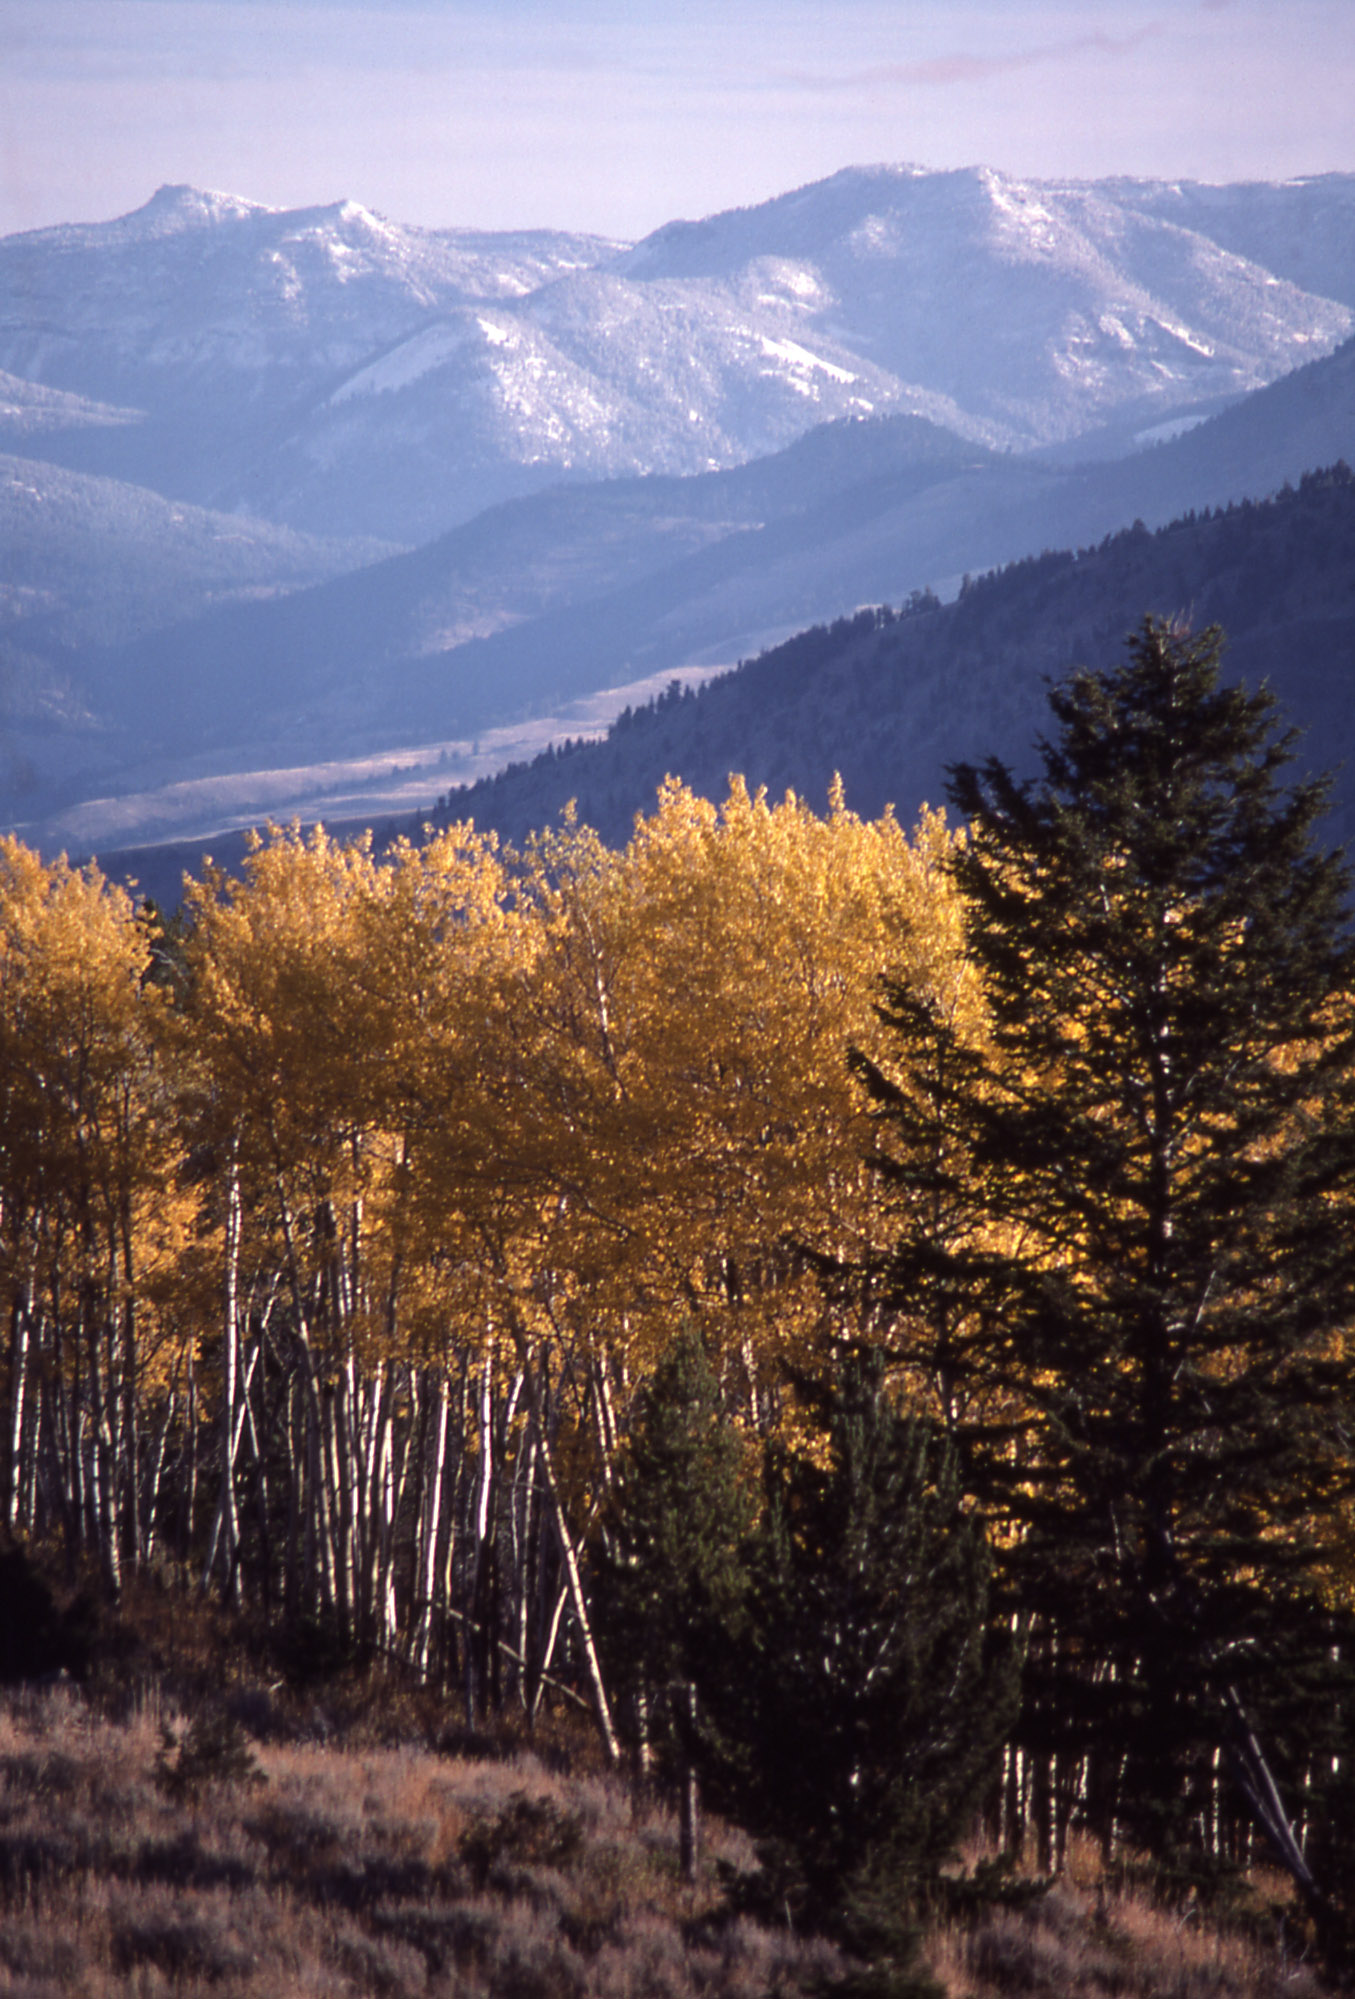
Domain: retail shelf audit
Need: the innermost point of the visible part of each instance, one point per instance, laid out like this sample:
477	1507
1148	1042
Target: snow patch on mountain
345	373
799	359
404	364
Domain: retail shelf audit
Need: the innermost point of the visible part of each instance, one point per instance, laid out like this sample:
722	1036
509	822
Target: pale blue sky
584	114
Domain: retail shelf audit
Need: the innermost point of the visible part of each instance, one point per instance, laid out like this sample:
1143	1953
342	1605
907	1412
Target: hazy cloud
617	115
961	68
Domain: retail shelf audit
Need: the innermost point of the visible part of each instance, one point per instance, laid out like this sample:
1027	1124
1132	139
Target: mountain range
291	488
888	700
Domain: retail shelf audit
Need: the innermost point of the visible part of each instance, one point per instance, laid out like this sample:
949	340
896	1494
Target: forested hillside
889	698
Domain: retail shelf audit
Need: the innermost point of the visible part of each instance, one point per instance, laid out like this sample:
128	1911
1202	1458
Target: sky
616	117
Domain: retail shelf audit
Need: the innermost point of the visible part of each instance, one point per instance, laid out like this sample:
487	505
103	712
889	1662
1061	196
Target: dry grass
1090	1938
367	1865
391	1871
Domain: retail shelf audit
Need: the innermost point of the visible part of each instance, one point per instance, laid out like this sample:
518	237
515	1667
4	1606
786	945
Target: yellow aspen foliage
666	1109
92	1223
286	1065
426	1159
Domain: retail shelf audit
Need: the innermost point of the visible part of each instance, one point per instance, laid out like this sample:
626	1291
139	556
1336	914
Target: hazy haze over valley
390	386
605	463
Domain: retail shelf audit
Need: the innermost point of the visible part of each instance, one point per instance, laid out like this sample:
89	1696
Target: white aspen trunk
18	1376
395	1463
323	1517
689	1801
37	1417
157	1468
525	1545
389	1456
312	1592
191	1507
326	1530
507	1473
297	1468
102	1478
364	1398
432	1531
318	1563
477	1639
74	1410
86	1505
333	1511
130	1400
226	1522
455	1521
225	1532
548	1651
606	1414
247	1423
578	1601
385	1482
349	1440
486	1448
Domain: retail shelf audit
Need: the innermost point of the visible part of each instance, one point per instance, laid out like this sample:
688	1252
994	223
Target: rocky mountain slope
344	374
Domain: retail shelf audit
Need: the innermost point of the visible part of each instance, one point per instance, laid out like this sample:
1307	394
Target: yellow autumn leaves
450	1107
575	1090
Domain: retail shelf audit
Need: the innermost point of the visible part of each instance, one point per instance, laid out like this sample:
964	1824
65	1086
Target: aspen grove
340	1220
348	1220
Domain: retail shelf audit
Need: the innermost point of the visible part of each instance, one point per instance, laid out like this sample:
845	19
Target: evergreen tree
864	1701
671	1573
1126	1257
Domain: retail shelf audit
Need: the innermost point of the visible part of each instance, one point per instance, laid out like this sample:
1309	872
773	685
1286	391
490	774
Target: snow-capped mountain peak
342	372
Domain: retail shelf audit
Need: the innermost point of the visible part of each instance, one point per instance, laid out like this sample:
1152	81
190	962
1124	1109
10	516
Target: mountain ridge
797	405
888	700
544	600
389	380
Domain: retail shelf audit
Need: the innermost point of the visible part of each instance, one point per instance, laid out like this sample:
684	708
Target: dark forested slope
890	698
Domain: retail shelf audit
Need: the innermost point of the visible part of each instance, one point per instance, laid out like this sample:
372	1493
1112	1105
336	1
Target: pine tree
671	1574
1125	1260
864	1698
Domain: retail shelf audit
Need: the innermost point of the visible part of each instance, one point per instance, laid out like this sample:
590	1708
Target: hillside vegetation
352	1866
782	1282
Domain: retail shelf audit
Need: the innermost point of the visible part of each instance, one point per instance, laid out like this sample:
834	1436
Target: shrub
531	1832
214	1750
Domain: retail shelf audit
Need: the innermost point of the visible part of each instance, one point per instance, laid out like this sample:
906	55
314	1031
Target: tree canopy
1125	1263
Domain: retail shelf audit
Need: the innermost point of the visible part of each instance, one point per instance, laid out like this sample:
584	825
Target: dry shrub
214	1749
351	1873
200	1942
355	1871
533	1832
381	1965
1085	1939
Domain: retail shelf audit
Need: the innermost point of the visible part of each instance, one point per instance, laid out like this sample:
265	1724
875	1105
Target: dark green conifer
862	1708
671	1570
1126	1256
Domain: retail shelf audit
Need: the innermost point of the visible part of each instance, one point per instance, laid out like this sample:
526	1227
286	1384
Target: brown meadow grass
345	1836
1089	1937
345	1867
349	1870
